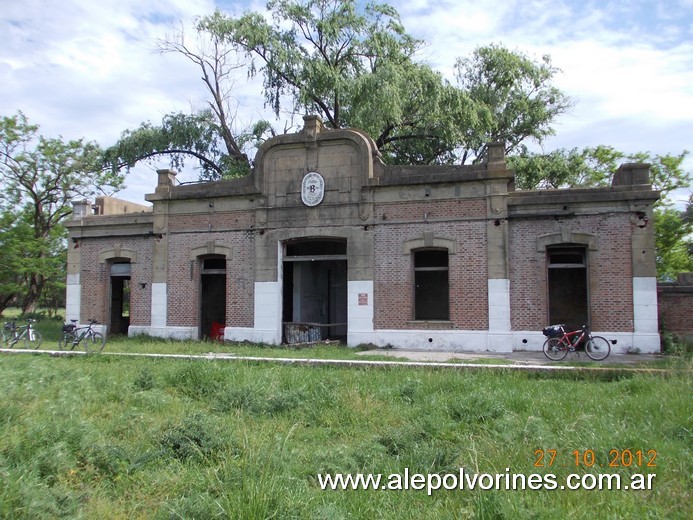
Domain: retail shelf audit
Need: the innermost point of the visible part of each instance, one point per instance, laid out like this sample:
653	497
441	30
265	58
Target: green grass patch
119	437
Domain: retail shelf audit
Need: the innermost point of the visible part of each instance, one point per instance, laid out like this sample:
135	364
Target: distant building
323	240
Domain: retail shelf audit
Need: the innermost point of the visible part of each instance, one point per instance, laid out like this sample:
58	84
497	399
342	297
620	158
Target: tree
179	136
315	57
518	94
673	230
205	135
40	177
354	66
13	233
557	169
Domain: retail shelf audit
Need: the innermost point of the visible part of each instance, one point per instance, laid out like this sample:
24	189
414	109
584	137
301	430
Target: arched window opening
120	271
567	285
431	284
212	297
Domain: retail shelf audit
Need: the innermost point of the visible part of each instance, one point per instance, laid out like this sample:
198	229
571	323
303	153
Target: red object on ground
217	331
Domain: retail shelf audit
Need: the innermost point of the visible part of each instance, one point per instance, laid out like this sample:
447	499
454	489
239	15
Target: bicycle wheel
94	342
32	339
67	340
555	349
597	348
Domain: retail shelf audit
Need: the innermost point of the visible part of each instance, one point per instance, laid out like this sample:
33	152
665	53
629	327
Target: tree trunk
5	302
33	294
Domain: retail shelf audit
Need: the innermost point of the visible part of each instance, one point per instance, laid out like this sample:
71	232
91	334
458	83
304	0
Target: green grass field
118	437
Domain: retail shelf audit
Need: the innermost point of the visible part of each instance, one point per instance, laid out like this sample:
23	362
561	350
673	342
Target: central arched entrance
314	291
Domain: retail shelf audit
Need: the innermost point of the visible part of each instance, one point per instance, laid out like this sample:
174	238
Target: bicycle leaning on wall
560	342
73	335
26	335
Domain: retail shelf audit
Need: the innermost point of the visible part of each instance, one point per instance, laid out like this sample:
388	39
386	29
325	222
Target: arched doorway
120	297
567	285
212	297
314	290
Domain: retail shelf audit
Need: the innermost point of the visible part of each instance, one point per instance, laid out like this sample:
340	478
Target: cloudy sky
88	68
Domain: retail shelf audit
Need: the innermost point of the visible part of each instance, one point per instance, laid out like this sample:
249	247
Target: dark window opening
320	247
431	285
568	288
120	298
567	257
212	297
213	264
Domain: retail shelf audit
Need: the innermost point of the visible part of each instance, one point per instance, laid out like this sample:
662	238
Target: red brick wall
211	222
609	271
393	291
184	277
676	309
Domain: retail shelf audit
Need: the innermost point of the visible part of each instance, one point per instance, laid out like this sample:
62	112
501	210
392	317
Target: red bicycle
560	342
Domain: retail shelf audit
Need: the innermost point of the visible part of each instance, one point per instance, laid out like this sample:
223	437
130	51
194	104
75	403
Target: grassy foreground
111	437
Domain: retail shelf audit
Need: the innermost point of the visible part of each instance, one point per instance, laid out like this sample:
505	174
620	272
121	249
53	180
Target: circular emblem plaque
312	189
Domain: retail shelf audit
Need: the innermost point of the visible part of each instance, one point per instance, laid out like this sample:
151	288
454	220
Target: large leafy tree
39	178
355	65
314	50
14	234
674	240
518	94
595	166
179	137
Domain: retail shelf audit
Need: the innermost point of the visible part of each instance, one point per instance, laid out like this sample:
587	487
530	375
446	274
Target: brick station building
323	240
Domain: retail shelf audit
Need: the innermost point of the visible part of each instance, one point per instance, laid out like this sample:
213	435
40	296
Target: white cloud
629	66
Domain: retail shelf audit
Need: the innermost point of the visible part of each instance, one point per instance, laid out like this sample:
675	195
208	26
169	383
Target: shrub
199	380
144	380
196	436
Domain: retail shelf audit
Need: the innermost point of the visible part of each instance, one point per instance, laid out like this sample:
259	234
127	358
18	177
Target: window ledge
431	324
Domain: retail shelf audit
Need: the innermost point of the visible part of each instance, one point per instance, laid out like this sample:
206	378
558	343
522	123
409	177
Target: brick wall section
184	277
676	309
609	271
237	220
95	279
393	291
435	209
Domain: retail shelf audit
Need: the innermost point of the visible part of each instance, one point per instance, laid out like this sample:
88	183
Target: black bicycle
73	335
26	335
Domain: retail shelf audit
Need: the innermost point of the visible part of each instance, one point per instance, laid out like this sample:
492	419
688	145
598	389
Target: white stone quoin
359	312
267	327
73	296
159	304
645	315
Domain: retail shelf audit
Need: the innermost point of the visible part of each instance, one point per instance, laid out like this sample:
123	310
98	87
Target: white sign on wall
312	189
